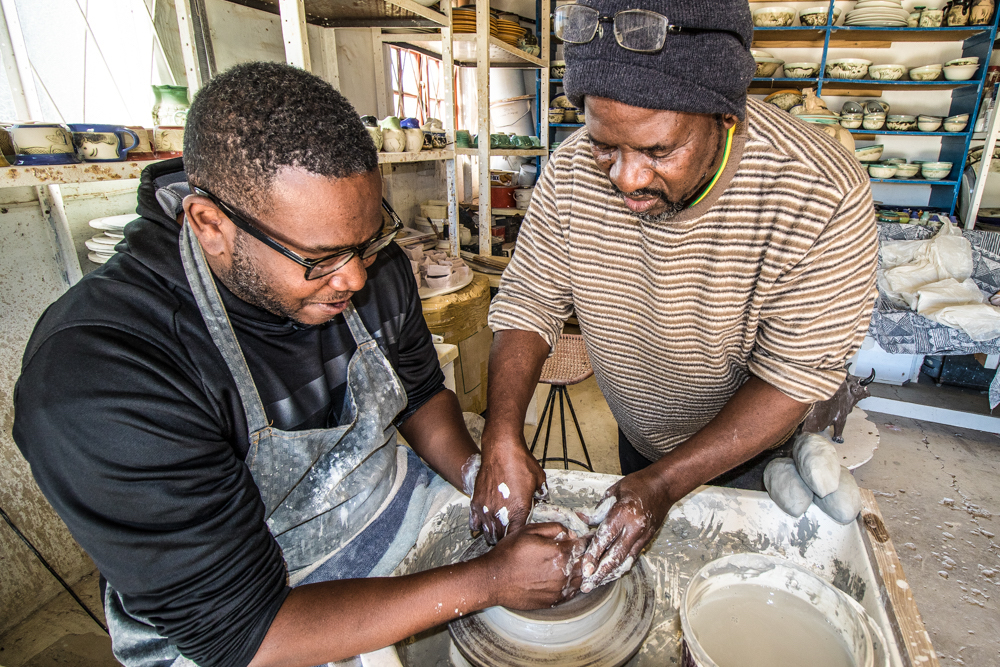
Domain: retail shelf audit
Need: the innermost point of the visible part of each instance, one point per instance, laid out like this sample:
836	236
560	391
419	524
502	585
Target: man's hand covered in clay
507	483
632	512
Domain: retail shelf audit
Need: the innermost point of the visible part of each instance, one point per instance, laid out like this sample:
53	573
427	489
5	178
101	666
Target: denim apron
342	502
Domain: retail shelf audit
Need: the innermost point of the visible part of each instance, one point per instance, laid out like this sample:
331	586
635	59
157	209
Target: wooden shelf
863	37
421	156
505	152
359	13
502	54
509	211
87	172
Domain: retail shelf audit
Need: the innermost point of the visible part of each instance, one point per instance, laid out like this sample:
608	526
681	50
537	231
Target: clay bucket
732	576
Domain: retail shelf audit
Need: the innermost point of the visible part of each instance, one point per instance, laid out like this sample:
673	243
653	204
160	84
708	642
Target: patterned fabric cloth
901	331
771	275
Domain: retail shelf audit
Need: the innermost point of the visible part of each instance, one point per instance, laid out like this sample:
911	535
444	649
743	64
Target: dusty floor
936	486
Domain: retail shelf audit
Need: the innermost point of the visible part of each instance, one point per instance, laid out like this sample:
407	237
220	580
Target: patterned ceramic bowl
886	72
801	70
848	68
773	17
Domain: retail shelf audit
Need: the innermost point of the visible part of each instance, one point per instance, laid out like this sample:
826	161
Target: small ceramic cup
463	139
931	18
32	141
168	141
144	151
102	143
413	139
393	139
873	121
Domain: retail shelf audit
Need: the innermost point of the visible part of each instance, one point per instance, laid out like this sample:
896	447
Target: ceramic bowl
558	69
818	15
758	53
876	107
869	153
767	67
556	115
785	99
773	17
895	160
906	170
882	170
847	68
925	73
935	171
928	123
851	108
886	72
970	60
956	123
873	121
900	123
801	70
851	121
960	72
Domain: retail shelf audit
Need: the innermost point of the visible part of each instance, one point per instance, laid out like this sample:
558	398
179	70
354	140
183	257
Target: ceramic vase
376	135
957	13
414	139
170	106
393	140
982	12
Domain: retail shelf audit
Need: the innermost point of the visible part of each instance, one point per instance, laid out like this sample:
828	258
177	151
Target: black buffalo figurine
835	409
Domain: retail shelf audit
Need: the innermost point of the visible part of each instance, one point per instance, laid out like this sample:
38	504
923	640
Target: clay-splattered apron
341	502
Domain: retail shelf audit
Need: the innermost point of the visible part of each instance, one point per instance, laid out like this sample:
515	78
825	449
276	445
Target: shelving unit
482	51
964	96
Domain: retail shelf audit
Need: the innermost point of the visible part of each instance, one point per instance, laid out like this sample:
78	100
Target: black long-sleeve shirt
135	432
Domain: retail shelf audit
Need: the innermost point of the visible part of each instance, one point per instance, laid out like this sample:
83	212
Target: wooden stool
568	365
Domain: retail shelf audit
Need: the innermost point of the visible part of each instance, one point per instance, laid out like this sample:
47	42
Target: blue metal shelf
785	79
914	133
913	181
881	83
565	124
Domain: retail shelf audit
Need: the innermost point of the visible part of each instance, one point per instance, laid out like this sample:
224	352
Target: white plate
99	247
427	292
105	241
878	23
113	223
98	258
118	236
879	13
864	4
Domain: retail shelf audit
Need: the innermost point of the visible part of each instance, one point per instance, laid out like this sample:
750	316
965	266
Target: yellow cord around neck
718	173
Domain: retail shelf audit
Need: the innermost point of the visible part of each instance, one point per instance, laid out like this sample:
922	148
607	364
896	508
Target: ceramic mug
522	141
41	138
463	139
393	140
376	135
414	139
102	143
168	141
144	151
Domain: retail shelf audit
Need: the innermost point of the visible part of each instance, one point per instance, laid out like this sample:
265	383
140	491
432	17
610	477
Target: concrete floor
936	487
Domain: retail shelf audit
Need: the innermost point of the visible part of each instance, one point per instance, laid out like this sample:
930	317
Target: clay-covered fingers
539	565
618	540
505	486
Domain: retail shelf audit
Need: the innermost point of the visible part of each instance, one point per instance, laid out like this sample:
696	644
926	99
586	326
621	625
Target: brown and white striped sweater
773	274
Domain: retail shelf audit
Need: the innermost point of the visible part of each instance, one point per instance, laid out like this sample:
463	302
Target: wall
29	281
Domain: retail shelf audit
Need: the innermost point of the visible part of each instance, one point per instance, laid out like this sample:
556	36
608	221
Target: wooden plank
293	33
88	172
910	634
482	37
382	95
416	156
188	47
832	89
420	10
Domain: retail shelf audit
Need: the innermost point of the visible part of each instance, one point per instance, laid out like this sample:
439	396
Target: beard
245	280
673	208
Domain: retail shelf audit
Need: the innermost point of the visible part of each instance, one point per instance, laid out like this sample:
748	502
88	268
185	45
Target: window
417	85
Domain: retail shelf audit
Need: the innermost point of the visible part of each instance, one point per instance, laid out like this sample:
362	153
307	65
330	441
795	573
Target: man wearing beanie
718	253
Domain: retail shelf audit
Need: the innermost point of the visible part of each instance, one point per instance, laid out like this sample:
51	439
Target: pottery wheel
603	628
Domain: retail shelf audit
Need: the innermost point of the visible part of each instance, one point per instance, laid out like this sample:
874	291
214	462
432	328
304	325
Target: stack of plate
463	19
883	13
509	31
102	246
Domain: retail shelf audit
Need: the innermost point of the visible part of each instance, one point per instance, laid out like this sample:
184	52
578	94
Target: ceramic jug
982	12
171	105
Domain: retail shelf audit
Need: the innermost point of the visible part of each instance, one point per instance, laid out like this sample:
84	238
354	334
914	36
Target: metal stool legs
550	410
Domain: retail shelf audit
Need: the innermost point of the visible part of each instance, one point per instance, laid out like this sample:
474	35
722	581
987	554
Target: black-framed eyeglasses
315	268
638	30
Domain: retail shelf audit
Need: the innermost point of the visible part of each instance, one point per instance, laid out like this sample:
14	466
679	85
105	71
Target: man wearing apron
214	412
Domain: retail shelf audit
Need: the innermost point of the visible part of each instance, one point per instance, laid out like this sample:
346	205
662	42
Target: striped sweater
772	274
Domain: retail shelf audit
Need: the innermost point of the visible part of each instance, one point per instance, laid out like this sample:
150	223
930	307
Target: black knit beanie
705	72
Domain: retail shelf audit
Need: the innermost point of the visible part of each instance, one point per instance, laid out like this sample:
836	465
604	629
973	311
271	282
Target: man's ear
728	120
210	225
